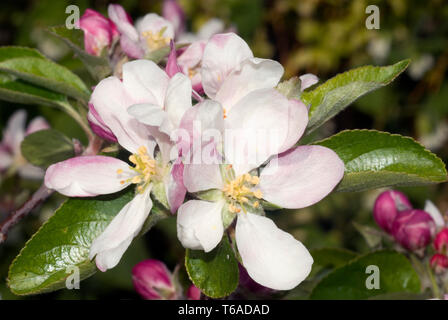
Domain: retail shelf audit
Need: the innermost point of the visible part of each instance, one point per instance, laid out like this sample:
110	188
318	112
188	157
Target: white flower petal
254	74
110	245
222	55
301	176
272	257
178	98
15	131
434	213
88	176
307	80
199	224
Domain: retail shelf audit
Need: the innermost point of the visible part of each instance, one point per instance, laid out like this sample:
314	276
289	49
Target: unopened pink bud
193	293
152	280
99	32
413	229
439	263
441	241
171	65
386	207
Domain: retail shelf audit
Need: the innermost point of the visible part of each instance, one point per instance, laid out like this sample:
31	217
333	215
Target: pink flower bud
439	263
99	32
171	65
441	241
98	126
152	280
193	293
174	13
386	207
413	229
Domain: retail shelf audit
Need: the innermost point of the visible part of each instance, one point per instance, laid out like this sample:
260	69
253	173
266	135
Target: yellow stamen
239	192
120	171
144	166
156	40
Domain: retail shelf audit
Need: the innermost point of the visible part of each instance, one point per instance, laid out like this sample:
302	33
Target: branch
37	198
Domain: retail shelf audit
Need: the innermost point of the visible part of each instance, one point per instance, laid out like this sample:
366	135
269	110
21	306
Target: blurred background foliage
324	37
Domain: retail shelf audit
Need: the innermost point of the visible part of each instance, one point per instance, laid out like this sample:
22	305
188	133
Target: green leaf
10	52
18	91
332	257
47	74
375	159
372	236
328	99
98	67
62	242
396	274
45	147
215	273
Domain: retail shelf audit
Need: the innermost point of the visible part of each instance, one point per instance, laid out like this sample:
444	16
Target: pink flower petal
174	186
88	176
301	176
222	55
37	124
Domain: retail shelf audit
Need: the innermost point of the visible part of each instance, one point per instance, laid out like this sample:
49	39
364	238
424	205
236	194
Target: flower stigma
239	192
144	166
156	40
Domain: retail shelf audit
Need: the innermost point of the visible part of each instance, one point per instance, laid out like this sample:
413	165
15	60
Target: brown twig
37	198
43	192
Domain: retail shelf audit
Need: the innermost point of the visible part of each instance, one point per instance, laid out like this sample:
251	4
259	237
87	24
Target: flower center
192	72
155	40
239	192
145	167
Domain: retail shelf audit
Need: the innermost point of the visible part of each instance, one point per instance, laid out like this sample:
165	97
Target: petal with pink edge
111	101
272	257
307	80
88	176
110	245
174	186
199	224
301	176
14	131
223	54
254	74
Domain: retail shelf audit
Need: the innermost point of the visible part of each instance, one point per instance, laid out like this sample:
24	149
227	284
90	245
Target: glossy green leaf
64	242
375	159
215	273
328	99
47	74
10	52
18	91
45	147
98	67
396	274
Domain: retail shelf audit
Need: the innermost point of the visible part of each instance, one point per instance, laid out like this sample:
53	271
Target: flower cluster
413	229
208	125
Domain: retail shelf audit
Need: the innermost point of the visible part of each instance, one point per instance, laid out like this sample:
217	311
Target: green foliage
396	274
98	67
47	74
63	242
215	273
375	159
45	147
328	99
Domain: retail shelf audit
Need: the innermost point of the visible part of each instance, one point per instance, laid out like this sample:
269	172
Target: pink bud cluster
153	281
439	261
412	228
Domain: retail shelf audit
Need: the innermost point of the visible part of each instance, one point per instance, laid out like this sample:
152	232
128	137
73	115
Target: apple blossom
432	210
174	13
441	241
10	155
150	32
99	32
299	177
144	83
